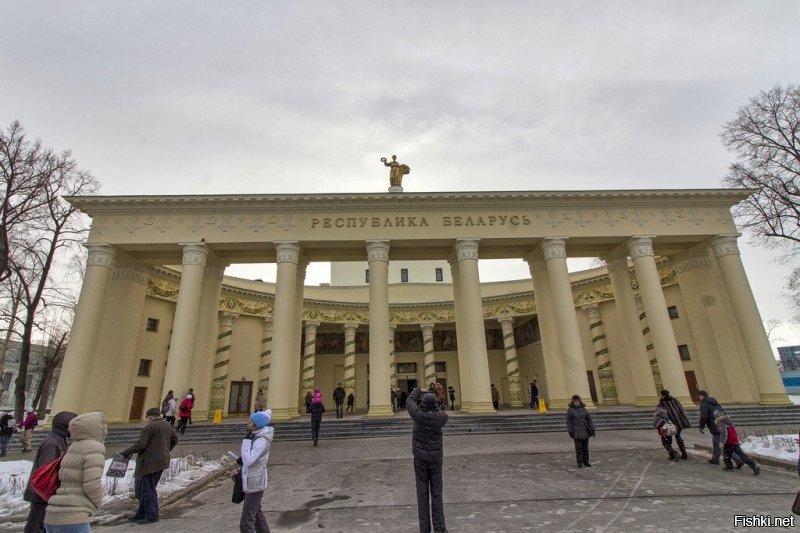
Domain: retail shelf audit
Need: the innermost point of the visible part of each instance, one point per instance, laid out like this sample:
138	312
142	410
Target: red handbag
45	480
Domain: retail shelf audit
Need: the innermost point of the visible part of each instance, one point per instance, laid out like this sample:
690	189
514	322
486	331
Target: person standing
190	395
165	402
534	395
254	456
452	393
80	475
316	409
53	445
155	443
7	428
427	446
351	402
338	399
580	428
393	397
495	398
185	413
259	403
169	411
29	423
677	415
441	396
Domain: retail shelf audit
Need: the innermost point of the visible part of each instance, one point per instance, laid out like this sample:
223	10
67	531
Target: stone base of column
517	403
284	413
646	401
465	406
611	401
774	399
557	403
380	411
202	414
111	421
481	408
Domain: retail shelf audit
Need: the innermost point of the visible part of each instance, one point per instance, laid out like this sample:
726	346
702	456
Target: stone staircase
522	421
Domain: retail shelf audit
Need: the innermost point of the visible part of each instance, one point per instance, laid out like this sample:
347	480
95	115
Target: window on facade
366	276
28	382
439	275
144	367
7	377
152	324
684	351
404	275
406	368
673	311
440	366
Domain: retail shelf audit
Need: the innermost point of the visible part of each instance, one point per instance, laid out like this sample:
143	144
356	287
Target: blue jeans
148	497
4	440
68	528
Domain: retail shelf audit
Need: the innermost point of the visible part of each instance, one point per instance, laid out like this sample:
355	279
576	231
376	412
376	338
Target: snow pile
783	447
182	472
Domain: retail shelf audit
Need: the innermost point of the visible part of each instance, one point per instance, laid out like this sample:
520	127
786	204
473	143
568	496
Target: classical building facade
671	307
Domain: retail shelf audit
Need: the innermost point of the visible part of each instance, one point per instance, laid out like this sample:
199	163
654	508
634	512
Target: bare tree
51	228
51	360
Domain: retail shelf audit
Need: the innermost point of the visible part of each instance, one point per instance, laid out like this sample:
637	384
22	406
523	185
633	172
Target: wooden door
240	397
592	388
137	404
691	381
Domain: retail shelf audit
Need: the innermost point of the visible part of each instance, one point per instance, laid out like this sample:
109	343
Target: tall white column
605	371
266	356
461	343
222	361
555	256
666	347
556	384
512	365
636	354
429	355
284	349
379	401
309	354
392	363
765	370
474	330
297	357
184	327
80	350
350	358
649	346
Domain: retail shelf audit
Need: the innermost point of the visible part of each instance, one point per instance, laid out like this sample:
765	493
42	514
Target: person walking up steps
316	408
338	399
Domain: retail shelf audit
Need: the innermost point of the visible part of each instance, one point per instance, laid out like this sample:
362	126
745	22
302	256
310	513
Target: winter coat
452	392
30	421
661	420
441	394
428	423
6	425
495	394
53	445
185	409
171	407
255	452
308	398
351	399
338	395
727	430
579	422
675	412
155	442
534	391
317	408
167	398
707	408
81	473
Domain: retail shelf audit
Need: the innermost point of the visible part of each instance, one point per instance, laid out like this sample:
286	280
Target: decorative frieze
130	271
690	260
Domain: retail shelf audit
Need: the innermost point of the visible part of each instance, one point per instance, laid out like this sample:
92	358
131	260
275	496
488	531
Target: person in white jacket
255	452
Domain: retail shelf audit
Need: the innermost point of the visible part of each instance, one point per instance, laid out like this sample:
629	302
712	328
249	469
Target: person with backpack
29	423
254	457
316	409
80	491
185	413
7	429
666	429
165	403
678	417
51	448
731	443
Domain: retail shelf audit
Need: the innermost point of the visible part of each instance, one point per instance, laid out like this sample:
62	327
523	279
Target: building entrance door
691	382
137	404
239	400
406	385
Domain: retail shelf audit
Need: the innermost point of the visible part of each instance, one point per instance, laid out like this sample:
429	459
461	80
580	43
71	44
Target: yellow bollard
542	407
218	416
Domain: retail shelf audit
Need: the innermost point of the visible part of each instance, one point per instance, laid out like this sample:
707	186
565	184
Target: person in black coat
338	399
316	408
534	395
53	445
708	406
427	450
677	416
580	427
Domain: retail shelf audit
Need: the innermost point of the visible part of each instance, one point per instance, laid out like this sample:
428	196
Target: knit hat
153	411
664	393
261	418
428	400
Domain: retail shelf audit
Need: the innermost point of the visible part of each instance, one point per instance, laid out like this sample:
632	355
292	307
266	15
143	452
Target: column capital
536	262
101	255
287	251
689	260
427	328
554	248
616	260
377	251
214	271
466	249
506	321
725	245
311	326
228	318
592	310
640	247
194	253
350	327
130	270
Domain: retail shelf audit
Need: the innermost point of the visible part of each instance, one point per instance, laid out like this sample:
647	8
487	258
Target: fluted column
512	365
350	358
765	370
605	372
666	347
205	342
644	328
463	360
378	257
637	357
184	327
222	361
309	354
297	357
555	256
558	395
392	363
80	350
284	350
429	355
266	356
474	330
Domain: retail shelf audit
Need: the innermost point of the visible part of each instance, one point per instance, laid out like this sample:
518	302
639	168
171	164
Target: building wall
352	273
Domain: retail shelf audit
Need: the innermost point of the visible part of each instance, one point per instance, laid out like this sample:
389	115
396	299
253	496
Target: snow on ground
783	447
183	471
795	399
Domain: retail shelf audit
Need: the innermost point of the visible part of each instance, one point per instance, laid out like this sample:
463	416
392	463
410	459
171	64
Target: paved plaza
493	483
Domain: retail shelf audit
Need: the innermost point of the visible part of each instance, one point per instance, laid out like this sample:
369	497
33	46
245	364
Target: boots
682	448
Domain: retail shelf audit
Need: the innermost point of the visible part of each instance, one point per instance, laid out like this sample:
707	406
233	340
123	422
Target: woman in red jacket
185	413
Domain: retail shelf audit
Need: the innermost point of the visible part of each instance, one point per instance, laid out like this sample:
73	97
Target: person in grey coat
580	428
255	454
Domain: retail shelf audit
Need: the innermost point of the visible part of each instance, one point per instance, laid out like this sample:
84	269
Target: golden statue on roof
396	173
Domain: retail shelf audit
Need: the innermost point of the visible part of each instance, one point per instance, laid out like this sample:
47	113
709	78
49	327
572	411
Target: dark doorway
137	404
407	385
691	381
592	389
239	399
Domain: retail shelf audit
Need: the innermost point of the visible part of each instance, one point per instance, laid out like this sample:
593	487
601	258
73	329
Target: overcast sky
267	97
